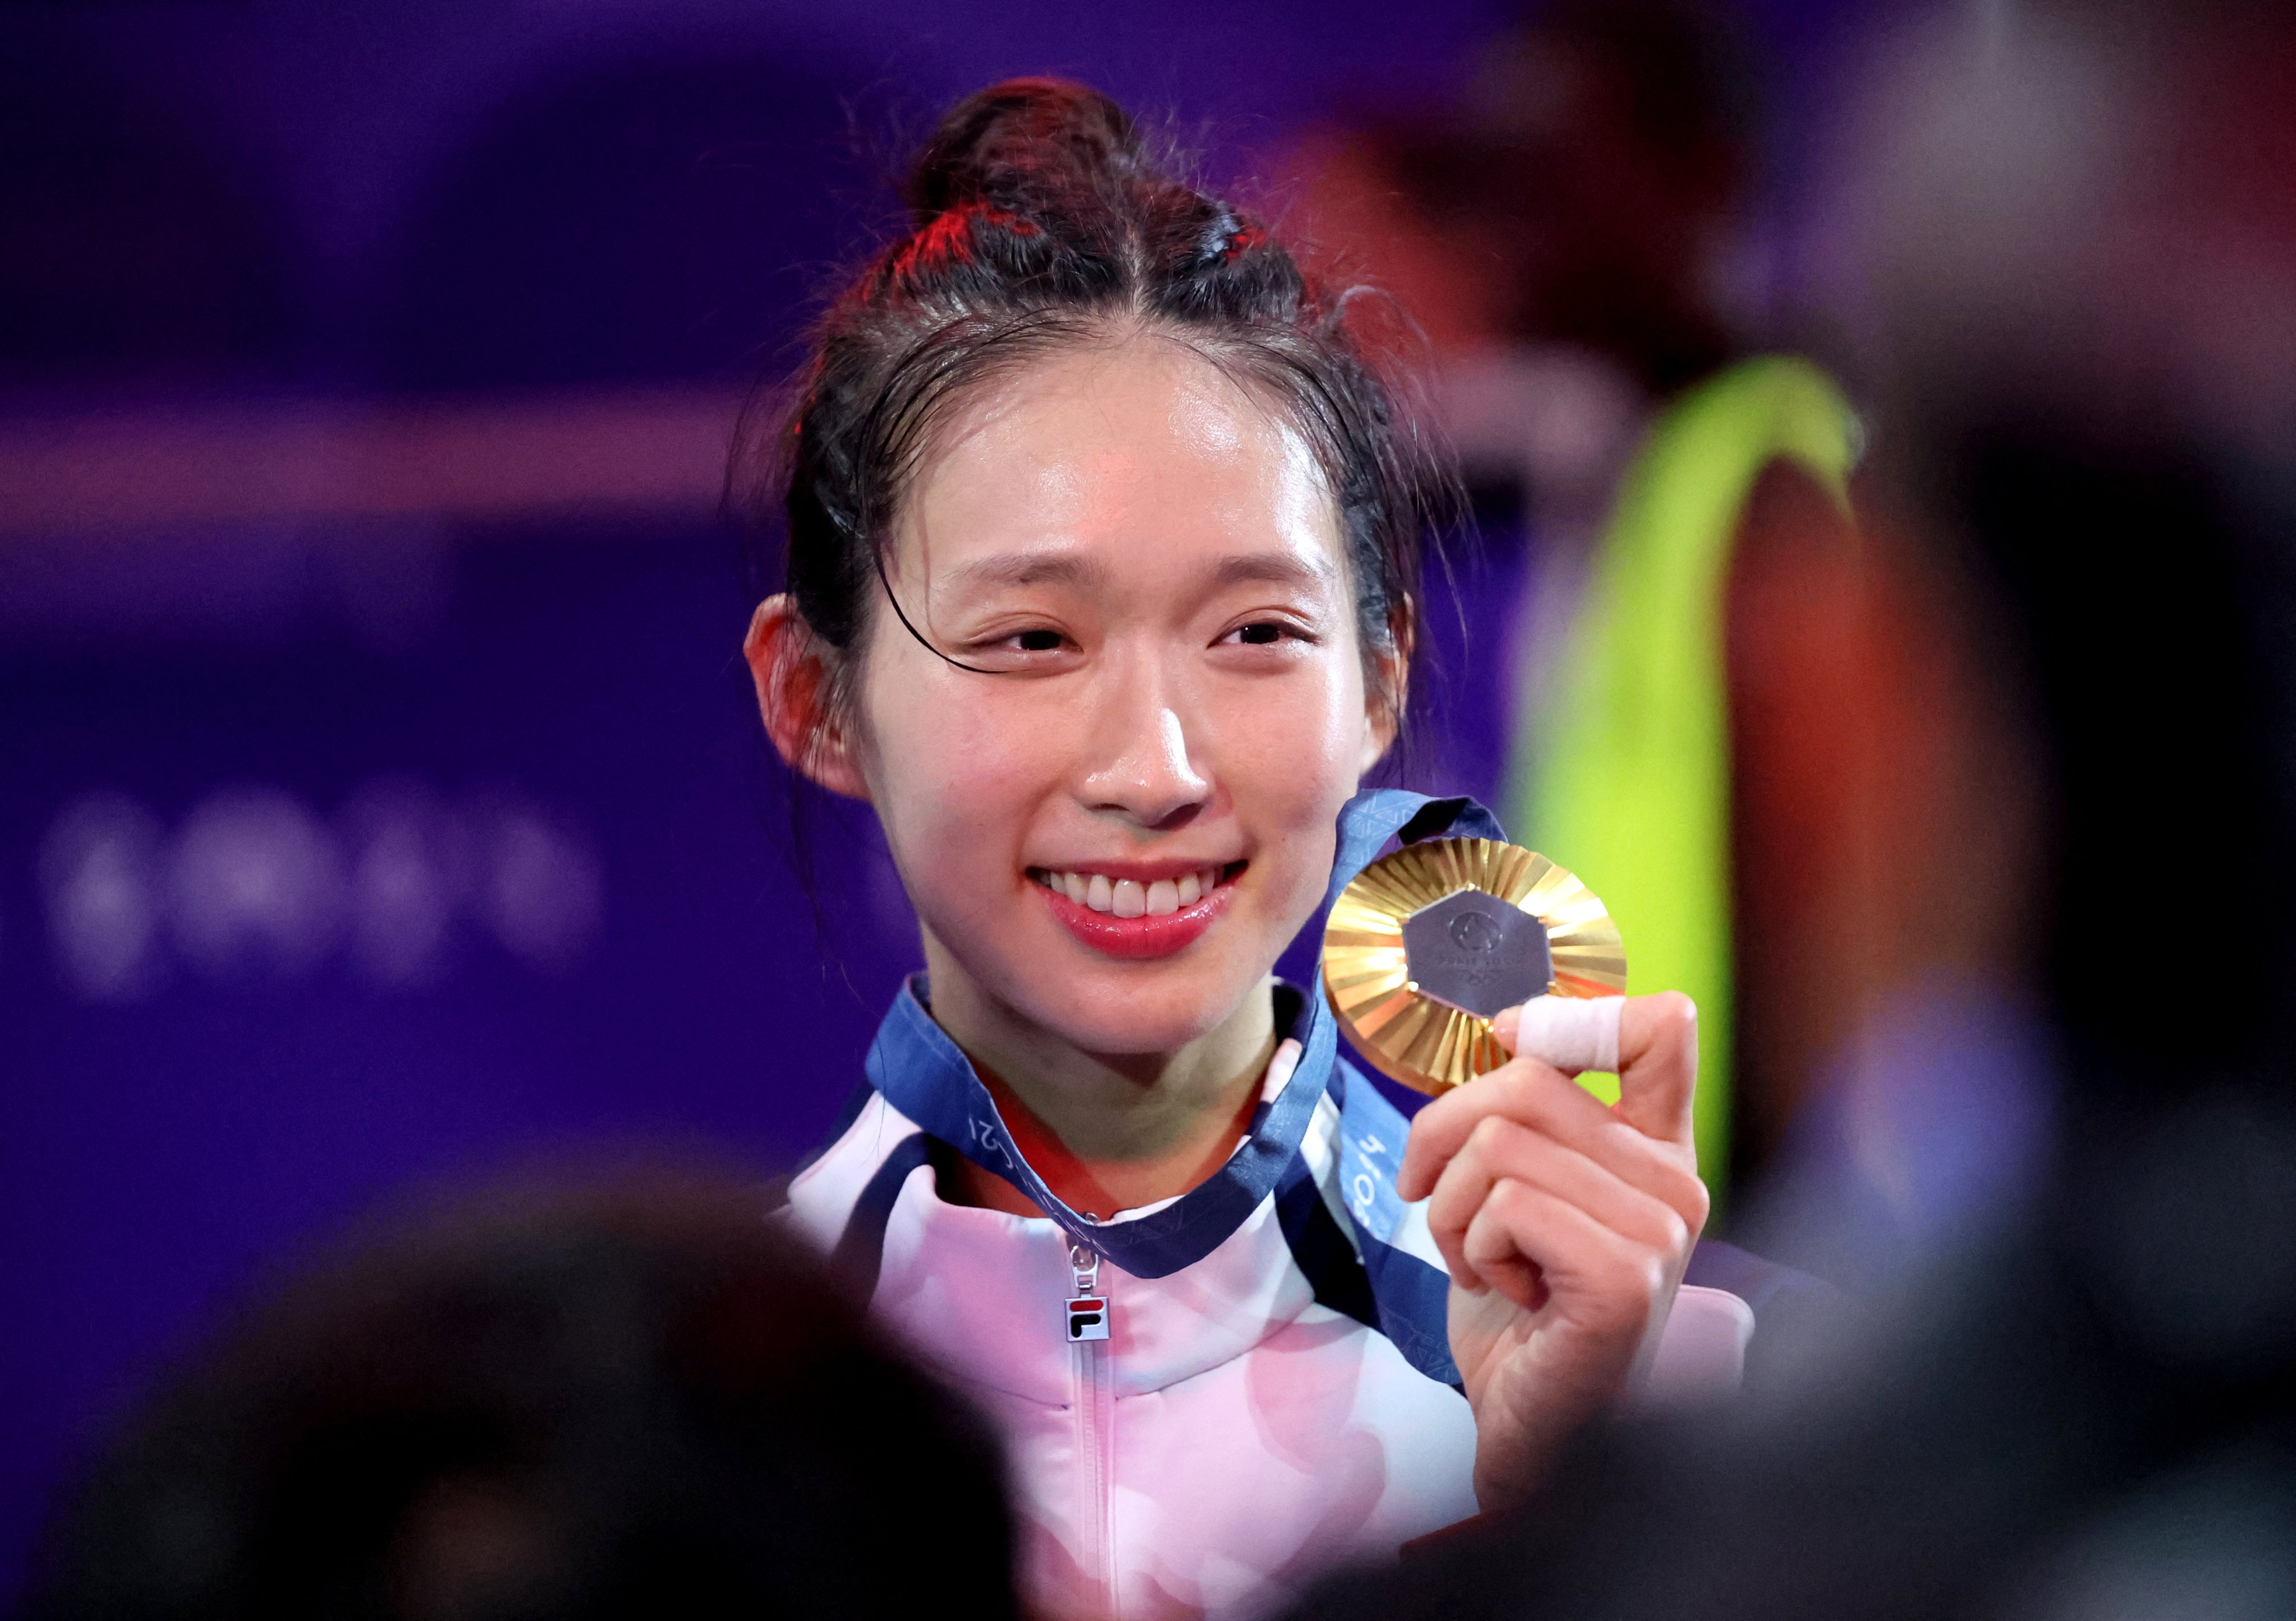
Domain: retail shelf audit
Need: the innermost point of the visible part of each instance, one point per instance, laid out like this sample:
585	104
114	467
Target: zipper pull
1087	1312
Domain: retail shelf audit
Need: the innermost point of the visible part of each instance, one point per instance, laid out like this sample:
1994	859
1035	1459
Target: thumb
1657	1065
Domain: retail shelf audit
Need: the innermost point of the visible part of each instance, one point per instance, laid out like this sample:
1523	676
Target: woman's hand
1566	1224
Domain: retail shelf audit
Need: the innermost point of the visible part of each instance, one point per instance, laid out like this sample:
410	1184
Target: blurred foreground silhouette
633	1401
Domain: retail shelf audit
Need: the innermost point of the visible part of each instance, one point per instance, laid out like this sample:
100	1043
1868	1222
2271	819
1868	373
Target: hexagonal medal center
1478	953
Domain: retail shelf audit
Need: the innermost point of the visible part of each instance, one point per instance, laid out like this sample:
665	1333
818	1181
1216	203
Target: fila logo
1088	1318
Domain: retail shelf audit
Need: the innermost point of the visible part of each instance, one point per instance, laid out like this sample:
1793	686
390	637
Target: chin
1107	1006
1134	1013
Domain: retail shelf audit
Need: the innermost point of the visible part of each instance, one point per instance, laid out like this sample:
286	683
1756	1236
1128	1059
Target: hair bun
1023	139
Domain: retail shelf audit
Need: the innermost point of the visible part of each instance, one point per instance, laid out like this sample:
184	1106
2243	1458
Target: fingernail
1505	1026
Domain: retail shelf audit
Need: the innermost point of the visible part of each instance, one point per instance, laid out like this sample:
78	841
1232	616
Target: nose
1139	766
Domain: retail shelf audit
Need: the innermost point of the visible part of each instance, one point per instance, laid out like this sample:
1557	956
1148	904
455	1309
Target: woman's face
1116	835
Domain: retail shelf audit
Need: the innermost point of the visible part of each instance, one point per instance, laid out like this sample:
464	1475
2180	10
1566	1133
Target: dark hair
1038	220
633	1401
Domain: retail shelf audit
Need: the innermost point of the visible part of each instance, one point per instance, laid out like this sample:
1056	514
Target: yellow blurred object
1625	776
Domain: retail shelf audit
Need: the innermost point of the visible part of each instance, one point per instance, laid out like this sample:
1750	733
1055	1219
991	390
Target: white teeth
1128	897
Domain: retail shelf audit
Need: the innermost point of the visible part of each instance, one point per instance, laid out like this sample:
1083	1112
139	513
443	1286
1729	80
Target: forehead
1142	448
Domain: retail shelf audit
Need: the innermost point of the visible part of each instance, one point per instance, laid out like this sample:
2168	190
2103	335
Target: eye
1036	649
1267	632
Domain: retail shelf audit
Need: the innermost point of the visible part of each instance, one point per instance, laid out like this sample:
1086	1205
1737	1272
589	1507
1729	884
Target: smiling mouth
1131	897
1139	918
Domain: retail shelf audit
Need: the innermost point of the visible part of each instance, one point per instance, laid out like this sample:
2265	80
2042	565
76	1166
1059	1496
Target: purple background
250	202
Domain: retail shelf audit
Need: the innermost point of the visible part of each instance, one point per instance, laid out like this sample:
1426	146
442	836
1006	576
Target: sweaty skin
1148	557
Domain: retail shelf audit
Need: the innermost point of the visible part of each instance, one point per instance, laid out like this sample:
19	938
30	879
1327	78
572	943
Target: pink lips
1140	937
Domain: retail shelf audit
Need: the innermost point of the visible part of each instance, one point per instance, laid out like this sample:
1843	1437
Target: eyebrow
1028	569
1020	569
1270	569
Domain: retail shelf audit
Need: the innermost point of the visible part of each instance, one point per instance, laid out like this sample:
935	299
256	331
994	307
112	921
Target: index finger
1657	1058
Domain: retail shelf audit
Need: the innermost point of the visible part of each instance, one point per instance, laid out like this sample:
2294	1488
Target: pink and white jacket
1274	1394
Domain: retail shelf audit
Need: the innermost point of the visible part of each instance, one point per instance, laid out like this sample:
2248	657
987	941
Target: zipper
1094	1409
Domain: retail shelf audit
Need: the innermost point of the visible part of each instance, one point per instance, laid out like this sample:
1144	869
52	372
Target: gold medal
1428	943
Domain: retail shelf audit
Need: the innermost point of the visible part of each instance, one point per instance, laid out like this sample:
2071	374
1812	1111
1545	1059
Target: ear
1385	697
789	667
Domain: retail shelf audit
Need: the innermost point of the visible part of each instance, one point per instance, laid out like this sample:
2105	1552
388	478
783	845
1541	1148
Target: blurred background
382	797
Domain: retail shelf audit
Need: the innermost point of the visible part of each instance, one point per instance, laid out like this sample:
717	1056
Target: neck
1107	1132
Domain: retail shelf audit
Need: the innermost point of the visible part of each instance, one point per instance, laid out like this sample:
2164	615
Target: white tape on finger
1571	1034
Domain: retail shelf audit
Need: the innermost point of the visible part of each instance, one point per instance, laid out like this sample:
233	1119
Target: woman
1102	583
